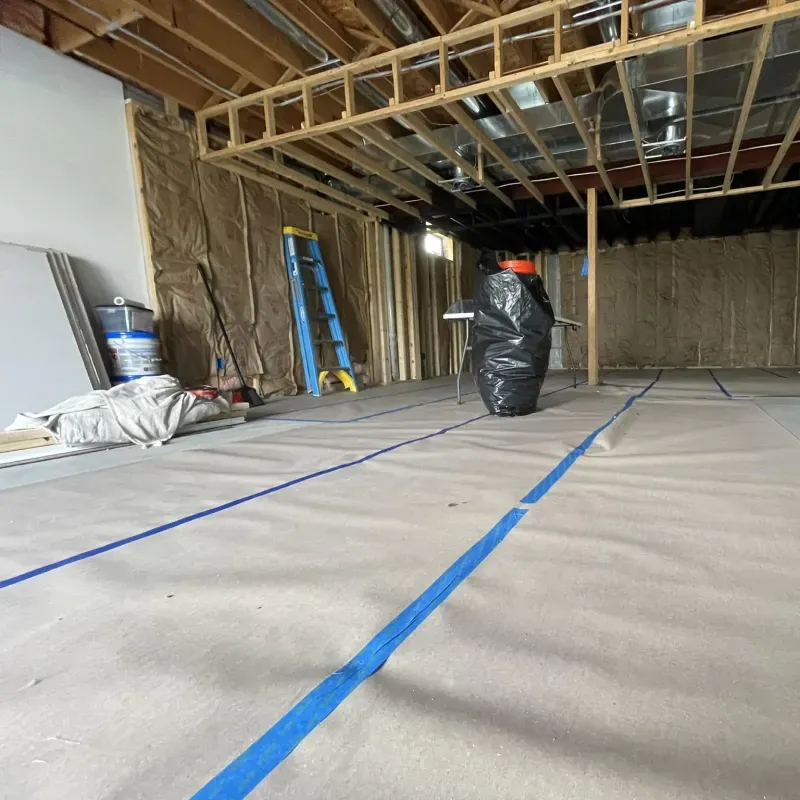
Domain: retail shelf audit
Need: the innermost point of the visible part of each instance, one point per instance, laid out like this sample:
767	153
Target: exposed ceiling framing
413	110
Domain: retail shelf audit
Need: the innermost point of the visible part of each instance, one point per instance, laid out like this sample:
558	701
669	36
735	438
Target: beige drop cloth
635	636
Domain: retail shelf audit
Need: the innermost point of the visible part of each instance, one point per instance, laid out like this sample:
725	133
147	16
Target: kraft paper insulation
696	302
199	213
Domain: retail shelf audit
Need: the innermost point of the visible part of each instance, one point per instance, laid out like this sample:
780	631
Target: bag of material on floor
147	411
511	338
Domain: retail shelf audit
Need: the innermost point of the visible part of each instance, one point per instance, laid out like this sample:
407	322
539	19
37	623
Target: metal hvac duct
658	82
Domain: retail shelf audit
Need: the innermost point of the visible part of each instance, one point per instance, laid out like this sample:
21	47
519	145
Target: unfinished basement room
416	407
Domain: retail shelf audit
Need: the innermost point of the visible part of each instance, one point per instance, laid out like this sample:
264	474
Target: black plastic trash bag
511	338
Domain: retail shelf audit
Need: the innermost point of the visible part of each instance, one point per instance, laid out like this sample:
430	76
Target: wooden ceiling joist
375	168
399	153
421	129
319	25
466	122
132	65
633	117
362	185
787	142
749	95
306	181
315	201
589	143
571	62
260	31
110	15
507	102
202	29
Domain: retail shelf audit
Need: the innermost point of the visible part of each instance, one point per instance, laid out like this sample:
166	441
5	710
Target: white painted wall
66	179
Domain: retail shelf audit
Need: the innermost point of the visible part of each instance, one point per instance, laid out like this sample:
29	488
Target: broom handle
221	323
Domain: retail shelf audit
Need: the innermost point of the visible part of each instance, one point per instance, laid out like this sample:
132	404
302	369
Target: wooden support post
444	68
379	305
557	24
269	117
202	135
459	294
434	313
594	363
412	307
699	12
625	27
349	95
308	106
448	288
399	306
498	51
233	125
690	68
397	81
425	312
144	217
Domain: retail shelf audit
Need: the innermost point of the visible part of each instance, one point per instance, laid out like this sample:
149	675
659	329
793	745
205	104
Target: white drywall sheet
66	179
41	362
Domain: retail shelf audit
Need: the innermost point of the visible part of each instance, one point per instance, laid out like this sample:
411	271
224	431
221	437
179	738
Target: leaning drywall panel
66	180
42	364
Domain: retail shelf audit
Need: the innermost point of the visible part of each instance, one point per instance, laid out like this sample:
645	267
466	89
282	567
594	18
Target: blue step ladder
312	299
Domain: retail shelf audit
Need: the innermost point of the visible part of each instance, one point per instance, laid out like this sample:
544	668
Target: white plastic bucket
133	354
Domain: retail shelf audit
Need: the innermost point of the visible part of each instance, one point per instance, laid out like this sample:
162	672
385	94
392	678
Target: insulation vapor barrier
199	213
698	302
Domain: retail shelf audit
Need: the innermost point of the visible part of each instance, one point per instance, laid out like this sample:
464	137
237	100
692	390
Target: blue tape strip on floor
243	774
772	372
96	551
547	483
721	387
402	408
366	416
250	768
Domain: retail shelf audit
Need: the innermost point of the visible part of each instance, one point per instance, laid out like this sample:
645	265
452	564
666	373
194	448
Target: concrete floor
391	596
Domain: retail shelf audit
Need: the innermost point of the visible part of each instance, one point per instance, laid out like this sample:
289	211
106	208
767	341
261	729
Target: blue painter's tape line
243	774
96	551
247	771
367	416
721	387
550	480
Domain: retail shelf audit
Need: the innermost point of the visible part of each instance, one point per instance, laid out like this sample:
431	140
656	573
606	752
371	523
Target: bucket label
131	359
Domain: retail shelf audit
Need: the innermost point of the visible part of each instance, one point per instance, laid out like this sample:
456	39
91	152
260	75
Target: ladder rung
323	316
327	341
332	369
307	259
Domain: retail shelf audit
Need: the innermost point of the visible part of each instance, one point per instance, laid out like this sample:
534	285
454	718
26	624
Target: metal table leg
571	359
461	363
